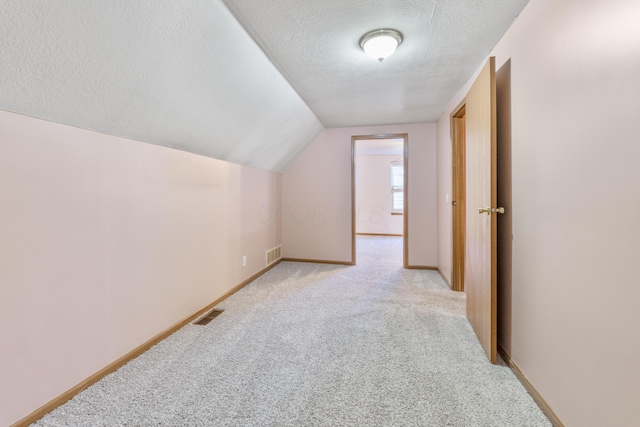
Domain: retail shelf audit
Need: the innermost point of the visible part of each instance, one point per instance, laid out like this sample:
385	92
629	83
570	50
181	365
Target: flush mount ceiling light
380	44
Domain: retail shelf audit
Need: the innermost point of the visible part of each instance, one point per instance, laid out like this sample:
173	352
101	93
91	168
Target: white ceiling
252	84
180	73
314	44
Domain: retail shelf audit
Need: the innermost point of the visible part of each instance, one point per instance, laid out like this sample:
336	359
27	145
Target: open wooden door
481	208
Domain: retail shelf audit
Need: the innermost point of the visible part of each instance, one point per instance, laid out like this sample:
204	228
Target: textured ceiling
178	73
314	43
250	82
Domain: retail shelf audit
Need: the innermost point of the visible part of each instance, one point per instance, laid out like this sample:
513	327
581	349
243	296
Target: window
397	186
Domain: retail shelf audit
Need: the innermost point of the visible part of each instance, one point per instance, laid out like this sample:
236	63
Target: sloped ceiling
182	74
248	81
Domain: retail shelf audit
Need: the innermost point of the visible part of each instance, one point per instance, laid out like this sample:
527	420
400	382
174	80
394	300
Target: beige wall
317	196
373	196
574	85
107	242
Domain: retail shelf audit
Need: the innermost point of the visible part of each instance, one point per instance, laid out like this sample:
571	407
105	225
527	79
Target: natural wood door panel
481	191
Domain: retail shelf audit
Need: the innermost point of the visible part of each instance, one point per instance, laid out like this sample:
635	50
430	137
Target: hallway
318	345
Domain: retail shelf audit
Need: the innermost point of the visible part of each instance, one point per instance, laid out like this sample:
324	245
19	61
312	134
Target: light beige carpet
318	345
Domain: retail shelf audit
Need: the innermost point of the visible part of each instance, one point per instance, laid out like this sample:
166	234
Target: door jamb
458	199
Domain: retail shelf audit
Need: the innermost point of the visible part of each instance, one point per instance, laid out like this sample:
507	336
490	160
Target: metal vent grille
208	317
274	255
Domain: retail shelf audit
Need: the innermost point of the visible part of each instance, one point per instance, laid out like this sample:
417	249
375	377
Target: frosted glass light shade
380	44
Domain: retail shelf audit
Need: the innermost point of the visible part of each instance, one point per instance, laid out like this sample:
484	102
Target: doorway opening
381	208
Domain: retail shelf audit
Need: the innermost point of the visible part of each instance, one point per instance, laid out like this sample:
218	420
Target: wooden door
481	208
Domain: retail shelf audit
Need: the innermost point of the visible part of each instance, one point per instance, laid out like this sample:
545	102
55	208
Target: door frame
458	199
405	213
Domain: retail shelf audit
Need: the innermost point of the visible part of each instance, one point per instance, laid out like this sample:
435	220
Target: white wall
107	242
373	196
317	196
574	94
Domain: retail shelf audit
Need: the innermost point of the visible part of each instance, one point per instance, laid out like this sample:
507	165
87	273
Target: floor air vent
274	255
208	317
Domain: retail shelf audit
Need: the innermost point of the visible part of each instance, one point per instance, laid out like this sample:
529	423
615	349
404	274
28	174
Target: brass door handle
486	209
489	210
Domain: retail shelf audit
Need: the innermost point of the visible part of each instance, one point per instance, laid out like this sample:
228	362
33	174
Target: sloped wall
107	242
177	73
572	307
